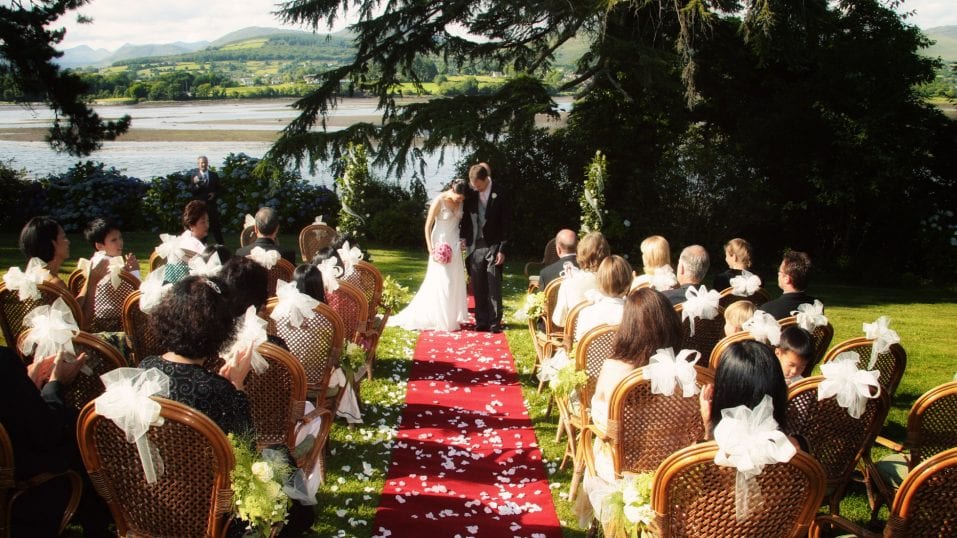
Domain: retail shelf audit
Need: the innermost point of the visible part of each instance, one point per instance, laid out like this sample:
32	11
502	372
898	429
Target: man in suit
792	279
566	244
692	267
205	187
267	227
484	228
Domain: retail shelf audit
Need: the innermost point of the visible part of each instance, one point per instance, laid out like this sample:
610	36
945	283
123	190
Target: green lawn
925	320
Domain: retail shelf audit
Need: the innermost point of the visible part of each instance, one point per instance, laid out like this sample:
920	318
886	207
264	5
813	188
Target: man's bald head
566	242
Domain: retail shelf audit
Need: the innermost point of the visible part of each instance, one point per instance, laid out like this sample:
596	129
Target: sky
142	22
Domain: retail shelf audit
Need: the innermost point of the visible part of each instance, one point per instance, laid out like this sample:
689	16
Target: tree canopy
27	53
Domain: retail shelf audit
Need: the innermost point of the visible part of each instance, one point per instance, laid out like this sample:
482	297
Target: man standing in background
206	188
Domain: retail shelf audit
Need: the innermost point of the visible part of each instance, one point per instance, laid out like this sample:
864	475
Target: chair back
549	256
551	301
724	344
368	279
314	237
247	236
100	358
349	302
13	310
156	261
281	271
924	504
136	324
317	343
646	428
108	303
821	337
595	347
277	397
692	496
759	297
890	363
571	325
836	439
707	333
191	498
76	281
932	423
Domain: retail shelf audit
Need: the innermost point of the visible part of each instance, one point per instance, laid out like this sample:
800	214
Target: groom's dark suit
486	277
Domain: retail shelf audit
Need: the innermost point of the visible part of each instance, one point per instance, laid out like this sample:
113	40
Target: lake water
147	159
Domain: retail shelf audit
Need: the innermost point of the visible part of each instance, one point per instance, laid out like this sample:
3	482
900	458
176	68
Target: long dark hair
648	323
37	237
308	279
747	372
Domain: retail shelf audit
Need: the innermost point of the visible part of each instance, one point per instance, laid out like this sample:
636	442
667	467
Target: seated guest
324	254
737	254
795	351
196	226
308	280
592	250
692	268
267	228
107	242
655	254
792	279
566	243
248	283
614	281
735	315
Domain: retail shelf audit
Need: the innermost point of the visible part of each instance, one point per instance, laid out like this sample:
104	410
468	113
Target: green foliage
352	186
89	190
592	199
245	186
18	195
396	215
256	481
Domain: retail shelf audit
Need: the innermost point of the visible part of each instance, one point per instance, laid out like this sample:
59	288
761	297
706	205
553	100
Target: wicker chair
549	257
13	310
317	343
891	363
368	279
156	261
281	271
692	496
100	357
11	488
247	236
136	324
646	428
759	297
821	336
314	237
277	398
836	439
349	302
108	303
931	429
76	281
707	333
724	344
923	507
191	498
595	347
547	340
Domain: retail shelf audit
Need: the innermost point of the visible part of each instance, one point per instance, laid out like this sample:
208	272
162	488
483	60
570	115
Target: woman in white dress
441	302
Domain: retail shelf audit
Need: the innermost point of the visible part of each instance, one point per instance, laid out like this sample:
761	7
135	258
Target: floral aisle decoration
394	295
353	359
592	199
352	186
627	511
567	380
257	483
532	308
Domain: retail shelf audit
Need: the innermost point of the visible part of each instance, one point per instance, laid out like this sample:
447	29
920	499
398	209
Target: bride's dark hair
458	186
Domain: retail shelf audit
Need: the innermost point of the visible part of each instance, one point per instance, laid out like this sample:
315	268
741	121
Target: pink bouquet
442	253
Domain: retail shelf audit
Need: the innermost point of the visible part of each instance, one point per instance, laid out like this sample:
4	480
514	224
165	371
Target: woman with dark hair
440	304
196	226
308	280
248	283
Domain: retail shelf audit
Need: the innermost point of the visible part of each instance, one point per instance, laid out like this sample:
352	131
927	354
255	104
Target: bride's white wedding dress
441	302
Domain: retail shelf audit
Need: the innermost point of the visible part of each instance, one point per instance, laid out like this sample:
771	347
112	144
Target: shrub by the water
89	190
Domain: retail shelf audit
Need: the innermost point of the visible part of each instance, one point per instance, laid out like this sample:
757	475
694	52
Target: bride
441	302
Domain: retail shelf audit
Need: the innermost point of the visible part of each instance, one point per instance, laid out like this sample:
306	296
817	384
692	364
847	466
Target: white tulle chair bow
250	333
152	289
330	274
199	267
569	269
851	385
53	328
745	284
293	305
809	316
748	440
266	258
667	371
700	303
318	220
248	221
763	328
127	403
170	248
348	407
115	266
664	278
552	365
882	335
26	283
350	256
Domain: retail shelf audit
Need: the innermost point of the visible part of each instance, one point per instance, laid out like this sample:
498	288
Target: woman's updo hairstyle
194	320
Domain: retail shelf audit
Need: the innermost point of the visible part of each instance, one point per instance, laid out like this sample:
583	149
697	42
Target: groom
484	229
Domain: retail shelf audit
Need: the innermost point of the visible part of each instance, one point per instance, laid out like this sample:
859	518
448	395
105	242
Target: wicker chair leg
578	464
571	439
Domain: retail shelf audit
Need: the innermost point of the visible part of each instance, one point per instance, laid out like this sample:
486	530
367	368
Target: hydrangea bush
89	190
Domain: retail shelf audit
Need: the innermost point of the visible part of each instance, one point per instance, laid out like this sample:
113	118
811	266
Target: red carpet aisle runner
465	461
